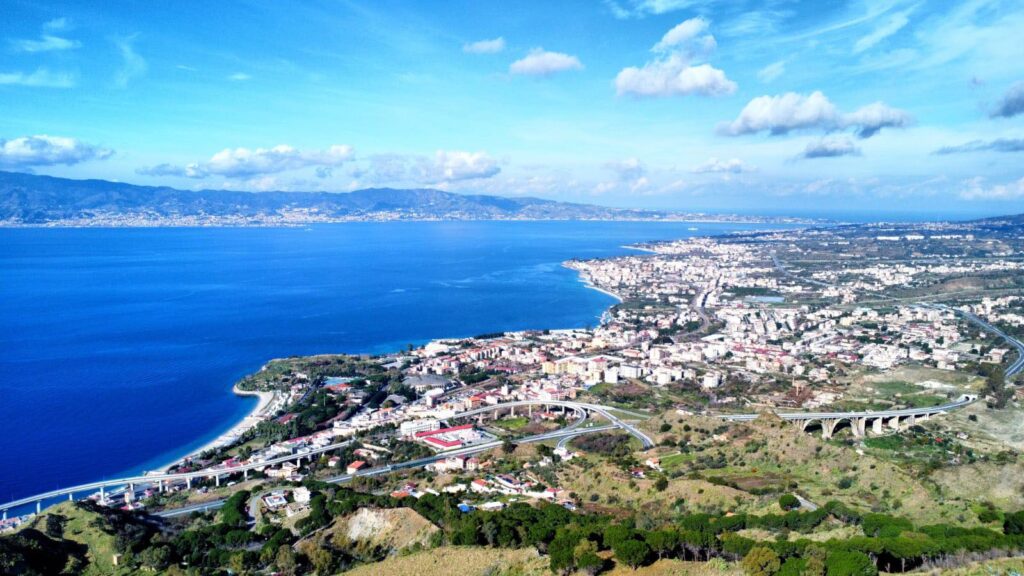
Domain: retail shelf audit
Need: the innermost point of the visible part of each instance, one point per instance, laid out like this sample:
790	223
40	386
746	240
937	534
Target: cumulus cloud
868	120
445	166
43	150
485	46
540	62
456	165
997	145
244	163
780	114
673	72
48	41
976	189
714	165
772	71
41	78
831	147
132	64
1012	103
791	111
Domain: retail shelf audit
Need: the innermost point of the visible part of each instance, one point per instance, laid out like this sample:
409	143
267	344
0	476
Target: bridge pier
160	486
188	483
245	474
216	480
5	514
894	423
911	420
859	426
512	412
103	495
828	427
877	426
71	497
804	424
39	506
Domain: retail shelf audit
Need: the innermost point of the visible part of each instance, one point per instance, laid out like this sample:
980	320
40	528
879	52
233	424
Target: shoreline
265	405
268	401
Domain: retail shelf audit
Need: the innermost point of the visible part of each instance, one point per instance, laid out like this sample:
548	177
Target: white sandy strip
266	405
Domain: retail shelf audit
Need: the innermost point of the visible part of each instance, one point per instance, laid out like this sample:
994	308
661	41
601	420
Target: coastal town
705	329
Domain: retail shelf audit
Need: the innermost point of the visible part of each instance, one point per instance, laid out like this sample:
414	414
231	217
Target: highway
964	401
565	433
1014	368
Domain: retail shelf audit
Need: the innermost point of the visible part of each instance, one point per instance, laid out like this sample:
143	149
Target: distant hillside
27	199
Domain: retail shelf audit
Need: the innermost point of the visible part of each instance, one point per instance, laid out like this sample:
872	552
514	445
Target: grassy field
81	526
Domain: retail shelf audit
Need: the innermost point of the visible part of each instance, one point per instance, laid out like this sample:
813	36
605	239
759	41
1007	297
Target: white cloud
239	77
975	189
792	111
772	71
780	114
730	166
540	62
894	24
132	64
48	41
1011	104
441	169
672	72
43	150
244	163
456	165
673	77
868	120
41	78
831	147
485	46
642	8
630	175
684	34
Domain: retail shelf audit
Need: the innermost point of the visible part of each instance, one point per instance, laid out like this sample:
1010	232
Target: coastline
267	403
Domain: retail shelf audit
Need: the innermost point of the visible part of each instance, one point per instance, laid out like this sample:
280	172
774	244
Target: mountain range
27	199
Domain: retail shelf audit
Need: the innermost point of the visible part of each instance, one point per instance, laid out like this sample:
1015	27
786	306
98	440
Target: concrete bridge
861	422
162	481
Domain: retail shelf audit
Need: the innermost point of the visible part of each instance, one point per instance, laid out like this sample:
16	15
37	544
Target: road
344	478
864	414
1015	367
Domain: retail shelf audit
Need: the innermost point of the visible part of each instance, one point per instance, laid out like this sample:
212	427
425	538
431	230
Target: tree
586	557
848	563
285	560
156	557
662	542
508	446
631	552
761	561
1013	524
561	551
789	502
814	564
661	484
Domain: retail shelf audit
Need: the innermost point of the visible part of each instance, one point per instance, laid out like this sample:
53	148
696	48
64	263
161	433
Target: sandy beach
267	403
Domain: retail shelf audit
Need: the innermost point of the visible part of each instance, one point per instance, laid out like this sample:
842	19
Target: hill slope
27	199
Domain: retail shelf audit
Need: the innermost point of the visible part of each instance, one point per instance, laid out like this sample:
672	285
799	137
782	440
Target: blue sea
119	347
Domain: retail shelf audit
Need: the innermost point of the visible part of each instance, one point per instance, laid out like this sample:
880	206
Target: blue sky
778	106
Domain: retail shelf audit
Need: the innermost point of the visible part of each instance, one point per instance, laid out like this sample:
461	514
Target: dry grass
471	561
